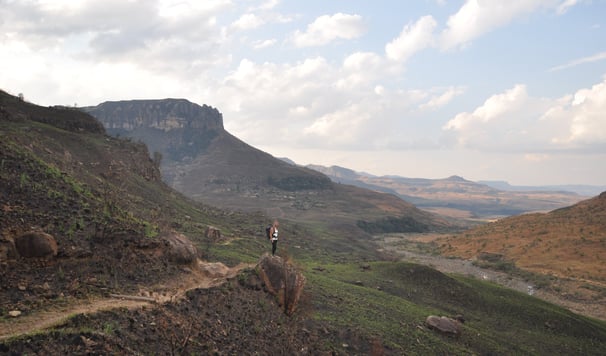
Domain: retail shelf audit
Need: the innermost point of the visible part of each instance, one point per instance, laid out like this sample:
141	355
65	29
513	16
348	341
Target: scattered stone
7	250
444	325
213	234
180	249
36	244
214	269
14	313
87	342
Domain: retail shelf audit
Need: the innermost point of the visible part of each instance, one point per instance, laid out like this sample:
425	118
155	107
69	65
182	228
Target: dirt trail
206	275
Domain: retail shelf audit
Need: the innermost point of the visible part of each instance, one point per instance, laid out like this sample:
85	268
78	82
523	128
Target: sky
485	89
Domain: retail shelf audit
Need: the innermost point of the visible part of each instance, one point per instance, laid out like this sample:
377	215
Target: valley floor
420	248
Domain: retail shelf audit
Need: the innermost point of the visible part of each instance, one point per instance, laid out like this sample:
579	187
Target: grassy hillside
567	242
102	200
566	246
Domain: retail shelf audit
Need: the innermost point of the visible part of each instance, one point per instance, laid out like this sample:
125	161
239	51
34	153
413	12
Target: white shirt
275	234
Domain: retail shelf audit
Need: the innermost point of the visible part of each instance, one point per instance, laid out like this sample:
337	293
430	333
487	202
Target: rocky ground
209	309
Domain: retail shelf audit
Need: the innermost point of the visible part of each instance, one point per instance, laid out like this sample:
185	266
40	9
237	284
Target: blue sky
485	89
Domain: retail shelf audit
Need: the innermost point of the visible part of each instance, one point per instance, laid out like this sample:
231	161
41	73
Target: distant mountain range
457	197
585	190
202	160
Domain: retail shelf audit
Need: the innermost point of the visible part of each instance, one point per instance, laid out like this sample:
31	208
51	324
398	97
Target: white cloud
314	103
340	128
247	22
264	43
438	101
326	29
166	34
594	58
477	17
270	4
412	39
506	122
359	69
514	121
493	109
585	114
565	5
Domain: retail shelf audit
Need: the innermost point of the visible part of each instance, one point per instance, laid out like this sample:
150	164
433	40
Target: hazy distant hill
581	189
455	196
204	161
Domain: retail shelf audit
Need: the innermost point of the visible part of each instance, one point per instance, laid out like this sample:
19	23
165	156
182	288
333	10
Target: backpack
268	231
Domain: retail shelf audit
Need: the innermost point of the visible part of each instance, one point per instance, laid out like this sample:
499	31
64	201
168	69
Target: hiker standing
273	236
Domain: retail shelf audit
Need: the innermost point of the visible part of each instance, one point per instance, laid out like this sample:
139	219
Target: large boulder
180	249
214	269
36	244
213	234
283	280
444	325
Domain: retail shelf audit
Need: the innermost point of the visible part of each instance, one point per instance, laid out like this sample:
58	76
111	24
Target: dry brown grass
568	242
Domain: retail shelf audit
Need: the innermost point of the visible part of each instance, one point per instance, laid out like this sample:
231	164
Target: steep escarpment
205	162
176	128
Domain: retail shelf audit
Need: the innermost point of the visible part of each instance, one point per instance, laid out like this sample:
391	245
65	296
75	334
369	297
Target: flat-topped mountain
202	160
176	128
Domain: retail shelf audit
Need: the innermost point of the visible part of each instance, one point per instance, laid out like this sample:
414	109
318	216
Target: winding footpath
206	275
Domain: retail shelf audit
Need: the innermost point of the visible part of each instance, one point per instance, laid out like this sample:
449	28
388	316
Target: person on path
273	233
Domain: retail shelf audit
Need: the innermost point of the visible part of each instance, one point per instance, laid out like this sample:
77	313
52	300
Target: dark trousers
274	246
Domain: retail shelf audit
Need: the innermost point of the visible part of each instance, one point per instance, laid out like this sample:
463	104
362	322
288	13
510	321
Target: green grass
391	300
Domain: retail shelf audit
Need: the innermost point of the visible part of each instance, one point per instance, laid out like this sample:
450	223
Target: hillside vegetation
568	243
102	200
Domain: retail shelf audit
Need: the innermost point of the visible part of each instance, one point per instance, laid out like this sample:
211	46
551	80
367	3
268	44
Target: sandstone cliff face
165	115
176	128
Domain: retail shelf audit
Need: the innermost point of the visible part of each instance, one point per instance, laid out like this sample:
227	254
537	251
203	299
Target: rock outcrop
36	244
180	249
444	325
283	280
214	269
213	234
